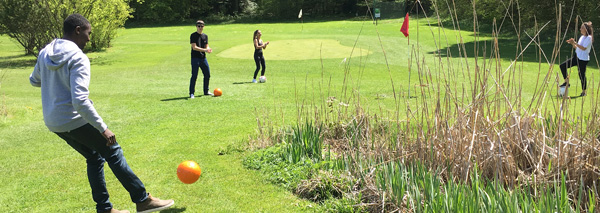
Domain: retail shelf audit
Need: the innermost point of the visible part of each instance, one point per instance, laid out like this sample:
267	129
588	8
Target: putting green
301	49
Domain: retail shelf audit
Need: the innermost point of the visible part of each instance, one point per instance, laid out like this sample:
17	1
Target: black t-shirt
201	41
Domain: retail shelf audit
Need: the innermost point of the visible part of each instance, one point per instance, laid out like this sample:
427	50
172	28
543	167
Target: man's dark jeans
90	143
201	63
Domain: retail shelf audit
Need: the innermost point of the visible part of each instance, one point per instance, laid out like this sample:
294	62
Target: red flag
404	28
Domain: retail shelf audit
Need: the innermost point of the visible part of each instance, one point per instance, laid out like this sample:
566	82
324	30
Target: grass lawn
140	88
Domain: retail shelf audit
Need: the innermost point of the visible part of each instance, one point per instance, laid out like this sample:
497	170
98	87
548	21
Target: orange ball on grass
188	172
218	92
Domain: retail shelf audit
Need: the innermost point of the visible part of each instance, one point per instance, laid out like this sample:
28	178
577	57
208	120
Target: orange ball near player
188	172
218	92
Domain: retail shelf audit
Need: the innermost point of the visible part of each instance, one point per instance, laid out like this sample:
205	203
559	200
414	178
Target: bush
106	18
177	11
163	11
278	170
33	24
171	11
328	188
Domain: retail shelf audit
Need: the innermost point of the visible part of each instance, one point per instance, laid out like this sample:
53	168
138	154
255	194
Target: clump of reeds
325	185
514	160
476	146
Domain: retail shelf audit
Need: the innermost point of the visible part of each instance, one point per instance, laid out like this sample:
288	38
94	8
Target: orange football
188	172
218	92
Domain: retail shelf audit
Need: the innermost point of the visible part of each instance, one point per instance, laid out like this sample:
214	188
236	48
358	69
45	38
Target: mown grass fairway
297	50
139	86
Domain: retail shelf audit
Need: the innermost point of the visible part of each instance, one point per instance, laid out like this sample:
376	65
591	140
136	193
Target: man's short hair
199	22
73	21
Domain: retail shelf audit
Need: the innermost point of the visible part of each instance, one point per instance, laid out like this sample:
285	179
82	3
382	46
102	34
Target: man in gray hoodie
63	73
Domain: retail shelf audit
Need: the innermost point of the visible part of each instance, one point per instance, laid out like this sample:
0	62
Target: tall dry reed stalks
484	125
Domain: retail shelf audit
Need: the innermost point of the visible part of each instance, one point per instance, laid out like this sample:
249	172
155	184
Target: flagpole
301	20
404	30
409	65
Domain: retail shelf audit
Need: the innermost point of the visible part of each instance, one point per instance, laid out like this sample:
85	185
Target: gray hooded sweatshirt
63	73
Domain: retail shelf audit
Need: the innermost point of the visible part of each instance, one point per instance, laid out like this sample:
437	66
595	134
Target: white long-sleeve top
585	41
63	73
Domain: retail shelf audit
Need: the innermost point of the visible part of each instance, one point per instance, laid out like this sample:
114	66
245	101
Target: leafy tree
288	9
169	11
161	11
524	12
106	17
165	11
19	21
34	23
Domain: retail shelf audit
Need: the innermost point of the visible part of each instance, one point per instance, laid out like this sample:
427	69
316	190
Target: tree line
34	23
169	11
525	14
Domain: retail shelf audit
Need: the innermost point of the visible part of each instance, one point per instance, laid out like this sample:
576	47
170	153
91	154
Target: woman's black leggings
581	66
259	59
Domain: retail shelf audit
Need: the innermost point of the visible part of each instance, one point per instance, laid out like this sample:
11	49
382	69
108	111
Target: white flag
343	61
300	14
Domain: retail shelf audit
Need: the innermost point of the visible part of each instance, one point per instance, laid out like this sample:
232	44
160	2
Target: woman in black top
259	59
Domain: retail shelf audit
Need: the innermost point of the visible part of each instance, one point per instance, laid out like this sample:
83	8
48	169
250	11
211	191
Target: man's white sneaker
191	96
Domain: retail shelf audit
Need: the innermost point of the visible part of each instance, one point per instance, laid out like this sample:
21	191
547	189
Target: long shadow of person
174	210
570	97
175	99
247	82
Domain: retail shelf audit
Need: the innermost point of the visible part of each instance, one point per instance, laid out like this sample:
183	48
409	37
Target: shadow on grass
246	82
570	97
186	98
174	210
17	61
508	51
176	99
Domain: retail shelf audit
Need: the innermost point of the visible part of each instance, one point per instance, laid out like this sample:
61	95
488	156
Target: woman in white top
582	57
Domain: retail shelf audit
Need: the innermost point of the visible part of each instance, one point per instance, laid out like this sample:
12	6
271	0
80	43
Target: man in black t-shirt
199	43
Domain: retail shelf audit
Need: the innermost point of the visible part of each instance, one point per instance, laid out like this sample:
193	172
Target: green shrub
33	24
166	11
106	17
277	170
346	204
325	185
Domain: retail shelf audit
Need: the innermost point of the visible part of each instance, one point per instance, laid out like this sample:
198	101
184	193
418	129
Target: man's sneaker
116	211
208	93
152	204
582	94
565	84
191	96
254	80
